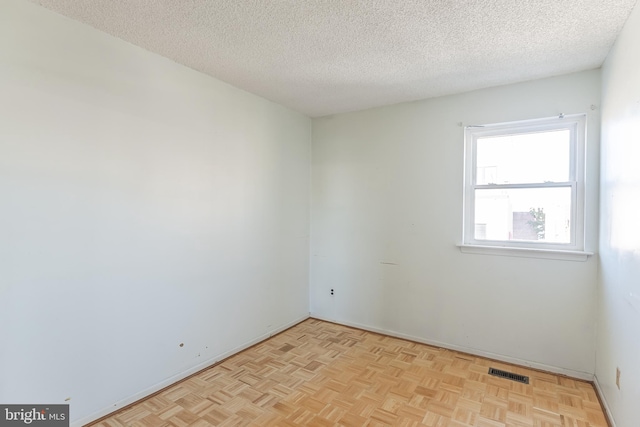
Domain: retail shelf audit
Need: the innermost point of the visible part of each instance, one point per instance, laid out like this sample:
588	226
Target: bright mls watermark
34	415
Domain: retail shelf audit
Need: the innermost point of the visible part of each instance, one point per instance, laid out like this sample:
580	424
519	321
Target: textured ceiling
323	57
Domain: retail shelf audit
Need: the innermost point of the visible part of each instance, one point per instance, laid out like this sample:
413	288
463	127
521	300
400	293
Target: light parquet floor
321	374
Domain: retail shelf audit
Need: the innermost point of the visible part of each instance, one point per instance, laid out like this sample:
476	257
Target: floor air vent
509	375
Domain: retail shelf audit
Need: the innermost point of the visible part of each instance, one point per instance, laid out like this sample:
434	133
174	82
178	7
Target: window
524	184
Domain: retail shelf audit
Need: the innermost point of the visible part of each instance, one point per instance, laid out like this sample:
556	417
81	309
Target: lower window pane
531	214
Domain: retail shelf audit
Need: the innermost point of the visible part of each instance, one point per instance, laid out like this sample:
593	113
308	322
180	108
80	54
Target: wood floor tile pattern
322	374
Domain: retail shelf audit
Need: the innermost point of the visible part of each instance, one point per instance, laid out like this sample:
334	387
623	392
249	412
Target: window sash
524	243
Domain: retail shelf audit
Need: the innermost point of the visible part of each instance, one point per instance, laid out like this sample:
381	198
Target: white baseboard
604	402
586	376
175	378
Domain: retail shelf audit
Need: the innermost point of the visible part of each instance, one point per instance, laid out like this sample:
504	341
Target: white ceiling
324	57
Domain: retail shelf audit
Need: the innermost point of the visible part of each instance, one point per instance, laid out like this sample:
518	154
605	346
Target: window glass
524	158
525	214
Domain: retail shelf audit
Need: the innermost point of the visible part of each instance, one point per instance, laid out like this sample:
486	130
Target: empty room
319	213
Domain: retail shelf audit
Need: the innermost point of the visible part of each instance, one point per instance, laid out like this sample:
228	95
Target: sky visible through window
526	158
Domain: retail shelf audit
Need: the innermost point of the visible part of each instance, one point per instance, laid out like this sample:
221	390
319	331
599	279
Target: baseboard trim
584	376
182	376
603	402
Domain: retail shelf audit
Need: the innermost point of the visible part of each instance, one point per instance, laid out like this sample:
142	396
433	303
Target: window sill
526	252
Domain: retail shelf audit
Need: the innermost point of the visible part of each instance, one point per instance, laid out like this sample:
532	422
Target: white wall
618	342
142	205
387	215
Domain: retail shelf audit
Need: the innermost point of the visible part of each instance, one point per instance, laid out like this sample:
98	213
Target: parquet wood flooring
322	374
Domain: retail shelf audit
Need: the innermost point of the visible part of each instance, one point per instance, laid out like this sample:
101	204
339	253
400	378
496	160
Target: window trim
576	124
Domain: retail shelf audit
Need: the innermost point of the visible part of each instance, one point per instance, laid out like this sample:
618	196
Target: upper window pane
524	158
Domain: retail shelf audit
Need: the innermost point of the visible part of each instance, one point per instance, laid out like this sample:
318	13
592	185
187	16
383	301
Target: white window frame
576	124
